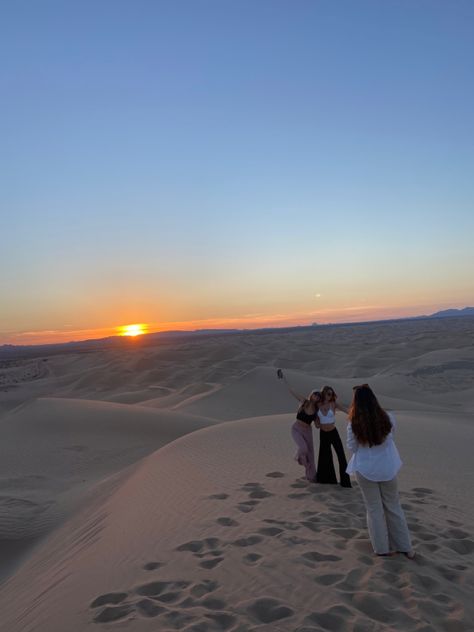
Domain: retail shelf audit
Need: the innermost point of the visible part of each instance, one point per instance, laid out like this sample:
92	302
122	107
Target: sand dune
53	450
239	542
127	503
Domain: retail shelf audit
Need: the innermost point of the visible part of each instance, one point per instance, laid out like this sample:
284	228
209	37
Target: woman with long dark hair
301	430
375	462
329	438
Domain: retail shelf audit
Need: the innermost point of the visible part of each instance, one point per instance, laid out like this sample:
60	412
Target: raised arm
298	396
342	408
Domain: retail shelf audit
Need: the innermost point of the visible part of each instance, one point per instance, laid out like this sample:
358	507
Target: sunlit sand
154	487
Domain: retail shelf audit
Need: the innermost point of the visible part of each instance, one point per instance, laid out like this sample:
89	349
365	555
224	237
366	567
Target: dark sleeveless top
303	416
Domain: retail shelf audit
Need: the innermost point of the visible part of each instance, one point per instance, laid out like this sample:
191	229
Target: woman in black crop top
301	430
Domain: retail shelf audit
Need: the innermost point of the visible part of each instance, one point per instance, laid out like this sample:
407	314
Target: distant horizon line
449	312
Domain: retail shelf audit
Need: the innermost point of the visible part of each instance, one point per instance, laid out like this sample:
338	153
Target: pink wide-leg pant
303	437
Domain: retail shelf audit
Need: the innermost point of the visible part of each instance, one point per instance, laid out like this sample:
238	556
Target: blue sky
168	162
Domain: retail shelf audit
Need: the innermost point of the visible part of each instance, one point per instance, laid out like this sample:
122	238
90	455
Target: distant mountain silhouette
445	313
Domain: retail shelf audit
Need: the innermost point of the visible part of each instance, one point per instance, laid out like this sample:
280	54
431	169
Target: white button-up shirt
378	463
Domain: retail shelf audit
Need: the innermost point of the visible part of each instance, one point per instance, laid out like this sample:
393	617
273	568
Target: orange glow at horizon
325	315
132	330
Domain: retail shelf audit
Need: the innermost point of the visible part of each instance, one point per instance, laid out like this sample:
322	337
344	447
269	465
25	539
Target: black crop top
303	416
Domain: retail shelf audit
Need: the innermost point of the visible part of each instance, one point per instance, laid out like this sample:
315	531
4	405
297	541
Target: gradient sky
233	163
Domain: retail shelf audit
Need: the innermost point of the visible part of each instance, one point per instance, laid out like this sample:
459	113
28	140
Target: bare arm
343	409
298	396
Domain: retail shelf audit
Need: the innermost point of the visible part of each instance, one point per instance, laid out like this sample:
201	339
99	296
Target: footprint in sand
312	525
271	531
288	526
247	506
219	496
152	566
111	613
165	592
345	533
223	620
294	540
456	534
179	620
334	618
329	579
198	595
255	490
299	485
427	583
204	588
315	556
413	527
426	536
432	548
275	475
202	548
373	606
422	491
225	521
260	493
210	564
149	608
251	558
206	548
267	610
248	541
463	547
108	599
352	581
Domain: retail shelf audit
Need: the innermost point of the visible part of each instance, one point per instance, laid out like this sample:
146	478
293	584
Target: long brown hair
308	399
324	392
370	423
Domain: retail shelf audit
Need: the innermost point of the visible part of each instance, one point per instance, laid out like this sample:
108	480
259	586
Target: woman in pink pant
301	430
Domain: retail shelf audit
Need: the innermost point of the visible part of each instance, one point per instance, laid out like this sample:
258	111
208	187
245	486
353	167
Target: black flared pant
326	472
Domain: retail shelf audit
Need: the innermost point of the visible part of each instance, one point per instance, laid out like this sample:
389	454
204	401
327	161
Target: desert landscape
153	486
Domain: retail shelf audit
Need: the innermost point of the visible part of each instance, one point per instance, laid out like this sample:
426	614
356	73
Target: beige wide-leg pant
386	521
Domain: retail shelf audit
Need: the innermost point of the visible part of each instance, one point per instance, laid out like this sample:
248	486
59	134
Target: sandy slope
237	542
52	450
215	531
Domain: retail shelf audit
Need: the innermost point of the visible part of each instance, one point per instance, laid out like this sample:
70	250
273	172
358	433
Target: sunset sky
233	163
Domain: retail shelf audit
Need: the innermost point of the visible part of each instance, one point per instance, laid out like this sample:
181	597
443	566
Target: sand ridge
424	362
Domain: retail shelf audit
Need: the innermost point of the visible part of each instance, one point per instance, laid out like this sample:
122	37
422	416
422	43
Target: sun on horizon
136	329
